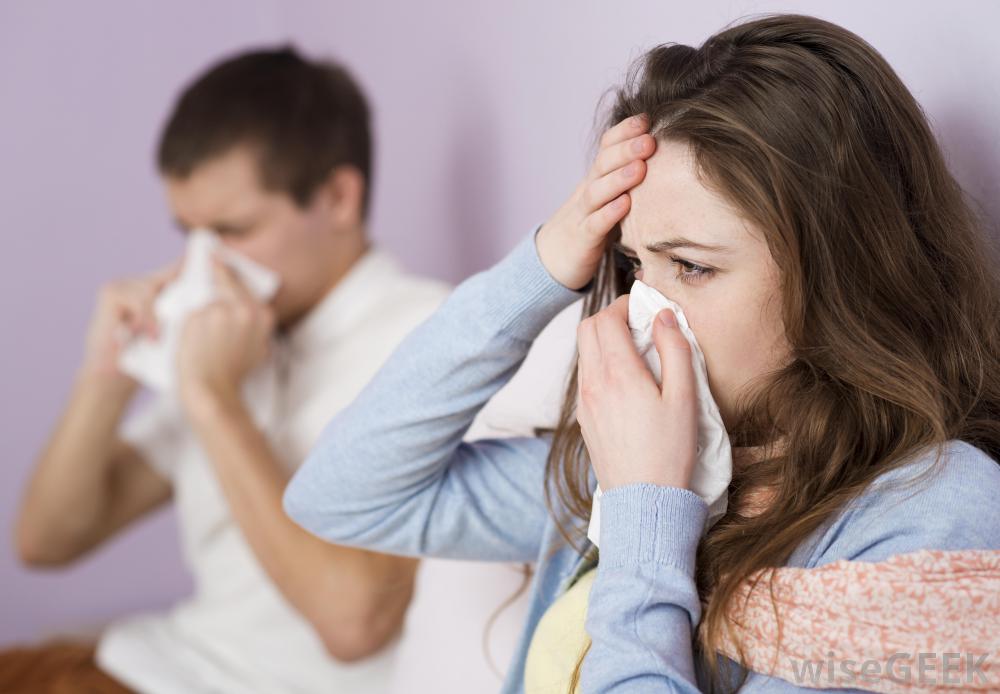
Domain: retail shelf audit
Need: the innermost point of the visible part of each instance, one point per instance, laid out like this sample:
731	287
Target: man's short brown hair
302	117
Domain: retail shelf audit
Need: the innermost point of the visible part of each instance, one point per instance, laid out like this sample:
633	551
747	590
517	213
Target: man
272	152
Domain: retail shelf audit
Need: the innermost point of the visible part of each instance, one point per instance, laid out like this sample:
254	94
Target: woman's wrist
520	294
647	523
551	249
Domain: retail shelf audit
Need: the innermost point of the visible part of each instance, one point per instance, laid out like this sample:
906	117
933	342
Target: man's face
733	308
300	244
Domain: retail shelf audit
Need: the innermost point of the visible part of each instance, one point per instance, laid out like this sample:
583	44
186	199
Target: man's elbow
299	505
377	620
29	552
36	551
356	642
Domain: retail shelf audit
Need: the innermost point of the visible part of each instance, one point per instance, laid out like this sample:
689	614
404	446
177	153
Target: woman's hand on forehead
572	243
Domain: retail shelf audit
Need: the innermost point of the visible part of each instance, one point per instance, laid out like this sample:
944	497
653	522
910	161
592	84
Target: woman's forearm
644	604
394	454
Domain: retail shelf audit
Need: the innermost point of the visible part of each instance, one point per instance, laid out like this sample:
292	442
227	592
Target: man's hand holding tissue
221	343
124	308
635	430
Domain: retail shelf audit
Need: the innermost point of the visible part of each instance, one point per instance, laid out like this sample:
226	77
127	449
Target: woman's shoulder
948	502
961	474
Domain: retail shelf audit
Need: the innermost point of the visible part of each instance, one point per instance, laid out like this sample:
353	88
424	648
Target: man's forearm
72	471
355	599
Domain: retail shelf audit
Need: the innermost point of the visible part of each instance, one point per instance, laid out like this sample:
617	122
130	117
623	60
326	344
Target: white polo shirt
237	633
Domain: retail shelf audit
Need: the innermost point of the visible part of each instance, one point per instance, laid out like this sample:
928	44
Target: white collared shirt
237	633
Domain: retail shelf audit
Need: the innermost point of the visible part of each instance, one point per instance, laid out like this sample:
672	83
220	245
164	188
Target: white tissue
151	362
714	467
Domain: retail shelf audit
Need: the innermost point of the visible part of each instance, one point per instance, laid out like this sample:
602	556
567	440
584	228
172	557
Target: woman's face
730	294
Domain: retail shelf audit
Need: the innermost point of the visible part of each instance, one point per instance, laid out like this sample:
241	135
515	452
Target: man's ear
343	193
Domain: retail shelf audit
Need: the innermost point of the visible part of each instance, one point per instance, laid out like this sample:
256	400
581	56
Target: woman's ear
343	193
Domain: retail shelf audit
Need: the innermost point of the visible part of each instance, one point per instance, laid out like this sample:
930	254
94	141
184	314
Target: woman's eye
689	272
627	263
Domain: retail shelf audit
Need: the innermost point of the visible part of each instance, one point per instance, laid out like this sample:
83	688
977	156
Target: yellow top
559	641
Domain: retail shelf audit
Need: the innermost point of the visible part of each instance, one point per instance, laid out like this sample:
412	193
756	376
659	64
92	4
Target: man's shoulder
403	294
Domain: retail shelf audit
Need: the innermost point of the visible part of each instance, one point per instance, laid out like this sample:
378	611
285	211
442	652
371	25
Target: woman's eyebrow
670	244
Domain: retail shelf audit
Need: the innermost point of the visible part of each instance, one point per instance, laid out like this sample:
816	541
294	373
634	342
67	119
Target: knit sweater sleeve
644	607
392	473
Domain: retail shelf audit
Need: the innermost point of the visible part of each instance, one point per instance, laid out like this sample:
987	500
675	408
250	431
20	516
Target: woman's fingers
619	155
606	200
607	351
586	344
618	167
678	380
598	223
571	244
589	358
625	129
603	190
615	341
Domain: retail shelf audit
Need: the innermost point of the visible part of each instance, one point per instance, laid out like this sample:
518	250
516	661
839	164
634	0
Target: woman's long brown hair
889	289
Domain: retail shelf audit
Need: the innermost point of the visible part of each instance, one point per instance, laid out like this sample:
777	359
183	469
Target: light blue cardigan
391	473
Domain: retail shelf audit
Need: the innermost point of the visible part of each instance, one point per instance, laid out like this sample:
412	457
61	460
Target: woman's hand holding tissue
635	430
571	244
221	343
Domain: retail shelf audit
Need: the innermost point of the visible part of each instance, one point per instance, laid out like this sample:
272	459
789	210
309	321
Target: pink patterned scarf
926	621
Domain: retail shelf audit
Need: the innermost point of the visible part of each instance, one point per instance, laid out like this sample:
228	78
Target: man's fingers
132	312
132	306
170	271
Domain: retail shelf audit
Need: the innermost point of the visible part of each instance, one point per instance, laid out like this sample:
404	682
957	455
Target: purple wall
484	114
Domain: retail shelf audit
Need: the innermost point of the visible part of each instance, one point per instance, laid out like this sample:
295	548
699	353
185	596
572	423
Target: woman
783	187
